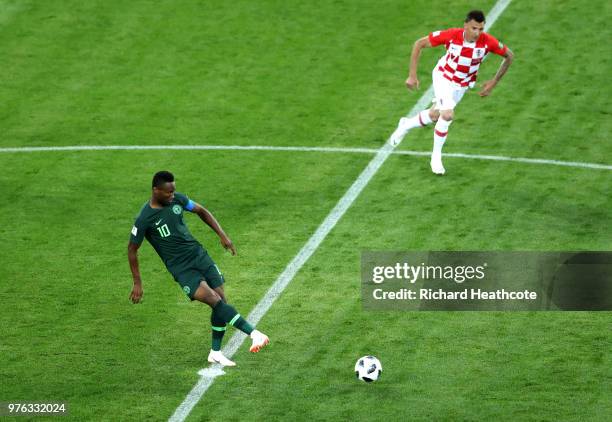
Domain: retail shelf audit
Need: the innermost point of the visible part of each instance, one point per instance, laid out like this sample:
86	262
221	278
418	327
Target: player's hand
487	87
227	244
136	294
412	83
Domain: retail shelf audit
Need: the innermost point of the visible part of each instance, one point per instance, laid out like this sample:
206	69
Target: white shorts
446	94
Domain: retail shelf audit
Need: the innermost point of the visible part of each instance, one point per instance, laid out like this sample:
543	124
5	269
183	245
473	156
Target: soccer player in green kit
160	221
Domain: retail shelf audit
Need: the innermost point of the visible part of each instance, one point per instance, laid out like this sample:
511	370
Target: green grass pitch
318	74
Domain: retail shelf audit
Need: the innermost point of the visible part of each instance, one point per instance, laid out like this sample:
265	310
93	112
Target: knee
434	115
214	296
207	295
221	296
447	115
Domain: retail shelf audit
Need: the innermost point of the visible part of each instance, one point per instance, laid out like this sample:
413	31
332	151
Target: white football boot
436	164
215	356
259	341
400	132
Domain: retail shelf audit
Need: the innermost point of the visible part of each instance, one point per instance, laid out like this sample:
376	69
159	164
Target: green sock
229	315
218	330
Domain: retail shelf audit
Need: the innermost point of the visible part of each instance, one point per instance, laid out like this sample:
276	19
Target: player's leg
195	287
440	134
206	295
446	103
443	104
421	119
442	88
218	325
223	313
214	280
434	113
406	124
218	328
221	292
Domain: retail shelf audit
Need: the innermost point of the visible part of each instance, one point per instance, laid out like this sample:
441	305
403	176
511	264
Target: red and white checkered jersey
462	59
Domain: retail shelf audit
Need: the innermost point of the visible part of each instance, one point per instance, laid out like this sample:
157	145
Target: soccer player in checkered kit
454	73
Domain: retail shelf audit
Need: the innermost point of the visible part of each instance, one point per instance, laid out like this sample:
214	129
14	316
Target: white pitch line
186	147
524	160
311	246
350	150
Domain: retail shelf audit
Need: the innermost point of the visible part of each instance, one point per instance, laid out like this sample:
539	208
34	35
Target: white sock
422	119
440	132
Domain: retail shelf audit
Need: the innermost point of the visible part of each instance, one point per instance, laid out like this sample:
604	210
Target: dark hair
162	177
476	15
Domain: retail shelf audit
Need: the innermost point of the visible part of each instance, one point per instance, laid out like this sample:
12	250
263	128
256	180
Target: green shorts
201	268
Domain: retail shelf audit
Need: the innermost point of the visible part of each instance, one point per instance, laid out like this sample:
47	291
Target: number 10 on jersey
164	231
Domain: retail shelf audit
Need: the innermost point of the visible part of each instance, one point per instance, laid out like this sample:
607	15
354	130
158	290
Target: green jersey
166	231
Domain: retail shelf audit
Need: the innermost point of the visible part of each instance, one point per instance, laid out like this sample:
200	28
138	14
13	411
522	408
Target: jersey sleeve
138	231
437	38
184	201
496	46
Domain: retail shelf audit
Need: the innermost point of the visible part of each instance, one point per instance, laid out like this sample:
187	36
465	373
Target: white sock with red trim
421	119
440	132
406	124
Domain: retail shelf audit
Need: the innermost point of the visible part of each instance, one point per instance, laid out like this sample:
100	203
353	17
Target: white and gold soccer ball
368	368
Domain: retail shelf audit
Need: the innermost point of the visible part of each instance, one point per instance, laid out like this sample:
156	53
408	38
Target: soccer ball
368	368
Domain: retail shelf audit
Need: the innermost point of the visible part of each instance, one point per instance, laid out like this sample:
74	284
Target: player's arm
488	86
207	217
136	293
413	82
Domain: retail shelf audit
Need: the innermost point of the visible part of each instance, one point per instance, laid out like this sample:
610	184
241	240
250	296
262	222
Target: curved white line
302	149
